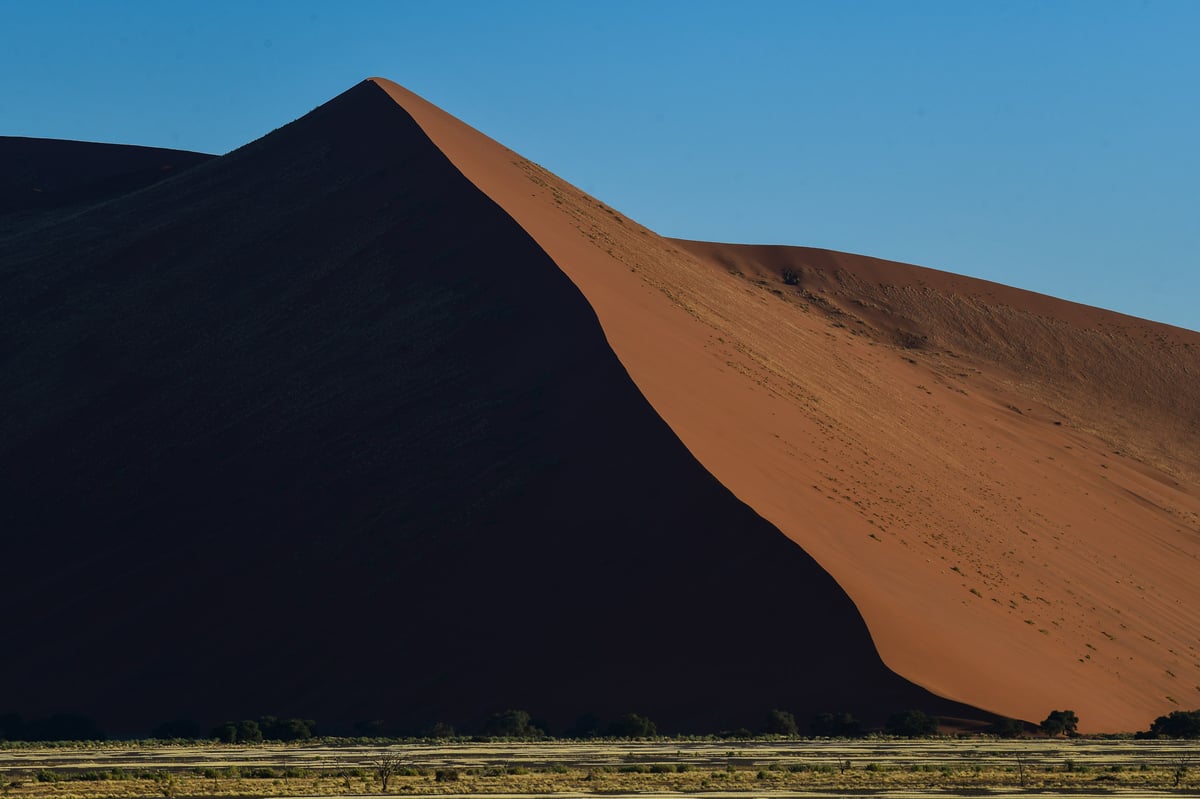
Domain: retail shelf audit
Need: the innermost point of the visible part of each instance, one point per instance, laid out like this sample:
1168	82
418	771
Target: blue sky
1053	146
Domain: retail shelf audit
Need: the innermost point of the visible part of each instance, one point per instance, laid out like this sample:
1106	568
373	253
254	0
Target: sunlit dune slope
1005	484
317	429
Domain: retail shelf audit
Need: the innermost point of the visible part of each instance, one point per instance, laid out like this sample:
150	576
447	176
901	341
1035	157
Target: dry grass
1085	768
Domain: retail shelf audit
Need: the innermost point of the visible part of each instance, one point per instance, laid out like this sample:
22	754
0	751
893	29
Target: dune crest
1007	485
315	429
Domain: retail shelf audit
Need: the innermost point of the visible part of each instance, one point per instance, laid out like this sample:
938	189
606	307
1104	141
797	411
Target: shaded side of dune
315	429
38	175
1004	483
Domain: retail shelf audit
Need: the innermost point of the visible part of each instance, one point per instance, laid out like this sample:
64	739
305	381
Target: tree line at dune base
519	724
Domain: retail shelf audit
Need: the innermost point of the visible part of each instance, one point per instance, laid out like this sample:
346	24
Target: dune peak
414	346
998	478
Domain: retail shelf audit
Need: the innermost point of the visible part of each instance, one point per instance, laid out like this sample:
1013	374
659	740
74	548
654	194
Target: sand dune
374	417
44	174
1005	484
316	429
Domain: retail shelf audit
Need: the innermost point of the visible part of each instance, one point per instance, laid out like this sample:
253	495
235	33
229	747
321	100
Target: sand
376	365
1006	484
315	429
46	174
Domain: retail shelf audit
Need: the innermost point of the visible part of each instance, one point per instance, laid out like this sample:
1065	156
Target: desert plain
796	768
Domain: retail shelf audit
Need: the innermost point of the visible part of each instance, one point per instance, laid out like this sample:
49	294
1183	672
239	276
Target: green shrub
511	724
225	733
246	731
267	728
632	725
1177	724
274	729
780	722
440	730
911	724
1007	728
836	725
1061	722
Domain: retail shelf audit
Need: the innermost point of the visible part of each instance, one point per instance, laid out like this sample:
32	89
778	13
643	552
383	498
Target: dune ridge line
1006	484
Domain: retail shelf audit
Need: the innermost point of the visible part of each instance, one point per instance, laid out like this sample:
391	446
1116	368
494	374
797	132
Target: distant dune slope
316	429
1005	484
44	174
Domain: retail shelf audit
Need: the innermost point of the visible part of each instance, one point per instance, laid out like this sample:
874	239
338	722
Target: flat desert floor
873	767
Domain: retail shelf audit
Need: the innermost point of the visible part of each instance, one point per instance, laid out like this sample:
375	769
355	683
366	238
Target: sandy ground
1004	483
1042	753
561	769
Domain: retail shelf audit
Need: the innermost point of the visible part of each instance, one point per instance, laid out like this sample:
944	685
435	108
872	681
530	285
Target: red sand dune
316	429
1007	485
374	417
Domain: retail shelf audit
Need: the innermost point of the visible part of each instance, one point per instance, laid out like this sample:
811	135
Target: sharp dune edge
251	410
1006	484
316	429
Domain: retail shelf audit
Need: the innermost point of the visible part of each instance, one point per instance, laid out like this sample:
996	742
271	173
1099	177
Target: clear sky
1049	145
